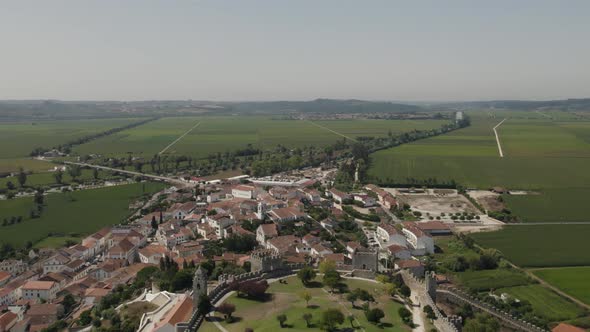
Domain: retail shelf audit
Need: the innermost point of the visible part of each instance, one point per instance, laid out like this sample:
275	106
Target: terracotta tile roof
411	226
153	249
4	276
563	327
181	312
390	229
283	243
408	263
44	309
7	320
433	226
394	248
43	285
338	258
269	229
244	188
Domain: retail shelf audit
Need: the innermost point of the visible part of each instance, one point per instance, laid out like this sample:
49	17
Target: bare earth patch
487	199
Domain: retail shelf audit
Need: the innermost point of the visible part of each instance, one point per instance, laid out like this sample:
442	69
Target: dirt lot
436	201
487	199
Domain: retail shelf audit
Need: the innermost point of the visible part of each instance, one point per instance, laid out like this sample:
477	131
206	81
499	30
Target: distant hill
582	104
61	110
321	106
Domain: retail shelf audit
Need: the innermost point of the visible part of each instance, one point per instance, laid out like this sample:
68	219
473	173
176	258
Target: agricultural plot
261	316
571	280
48	178
17	140
555	204
230	133
146	140
540	245
70	214
378	128
545	302
485	280
541	155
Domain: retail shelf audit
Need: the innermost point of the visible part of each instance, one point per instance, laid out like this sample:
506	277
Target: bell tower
199	286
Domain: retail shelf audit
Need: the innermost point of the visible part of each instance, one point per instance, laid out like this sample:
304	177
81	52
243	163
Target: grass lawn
540	245
545	302
574	281
261	316
71	214
492	279
56	241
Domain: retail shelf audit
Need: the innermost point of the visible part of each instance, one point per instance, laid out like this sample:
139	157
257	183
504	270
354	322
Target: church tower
199	286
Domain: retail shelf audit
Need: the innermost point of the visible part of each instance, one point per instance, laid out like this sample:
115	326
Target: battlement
266	260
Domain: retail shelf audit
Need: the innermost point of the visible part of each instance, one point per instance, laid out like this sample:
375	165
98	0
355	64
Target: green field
47	178
540	245
261	316
555	204
542	155
485	280
574	281
72	214
229	133
17	140
545	303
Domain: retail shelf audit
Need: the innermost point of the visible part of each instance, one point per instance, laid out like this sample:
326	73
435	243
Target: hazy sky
268	50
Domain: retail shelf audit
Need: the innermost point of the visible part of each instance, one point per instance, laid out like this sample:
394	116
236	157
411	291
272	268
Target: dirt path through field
498	138
181	136
330	130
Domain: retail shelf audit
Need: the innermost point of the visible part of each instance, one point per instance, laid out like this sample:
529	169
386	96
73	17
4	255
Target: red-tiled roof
269	229
433	226
563	327
408	263
43	285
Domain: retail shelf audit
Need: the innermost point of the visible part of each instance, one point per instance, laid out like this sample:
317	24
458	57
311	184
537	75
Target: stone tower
430	281
199	286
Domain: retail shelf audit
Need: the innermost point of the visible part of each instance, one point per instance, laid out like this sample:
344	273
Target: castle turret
199	285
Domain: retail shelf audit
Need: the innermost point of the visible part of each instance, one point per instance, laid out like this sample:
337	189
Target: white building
387	235
45	290
244	191
420	242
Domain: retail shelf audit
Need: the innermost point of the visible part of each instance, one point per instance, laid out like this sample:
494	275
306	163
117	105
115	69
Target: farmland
540	155
261	316
47	178
70	214
17	140
221	134
540	245
484	280
545	302
572	280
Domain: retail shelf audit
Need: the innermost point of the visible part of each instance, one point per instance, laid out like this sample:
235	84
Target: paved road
150	176
498	138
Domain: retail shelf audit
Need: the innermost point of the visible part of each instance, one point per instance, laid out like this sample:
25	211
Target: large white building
45	290
389	235
244	191
420	242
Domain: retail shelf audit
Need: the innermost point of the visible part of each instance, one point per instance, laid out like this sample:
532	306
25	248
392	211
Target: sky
294	50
